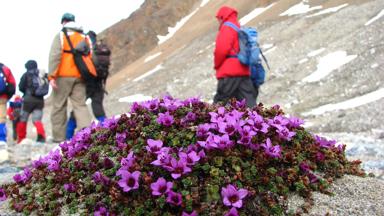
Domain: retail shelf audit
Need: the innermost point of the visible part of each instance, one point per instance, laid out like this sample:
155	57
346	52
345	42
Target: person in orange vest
65	79
13	113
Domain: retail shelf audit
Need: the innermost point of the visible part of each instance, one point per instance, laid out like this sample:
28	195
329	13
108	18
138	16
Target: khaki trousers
3	110
74	89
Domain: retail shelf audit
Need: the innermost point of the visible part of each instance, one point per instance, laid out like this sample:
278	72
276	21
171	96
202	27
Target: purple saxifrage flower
178	168
233	197
101	211
129	181
3	196
154	146
192	214
165	119
174	198
270	150
191	158
161	186
70	187
232	212
128	161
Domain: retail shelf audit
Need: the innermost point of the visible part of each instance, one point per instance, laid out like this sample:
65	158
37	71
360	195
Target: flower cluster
181	157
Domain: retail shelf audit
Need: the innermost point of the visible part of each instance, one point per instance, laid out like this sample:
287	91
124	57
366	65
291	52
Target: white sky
28	27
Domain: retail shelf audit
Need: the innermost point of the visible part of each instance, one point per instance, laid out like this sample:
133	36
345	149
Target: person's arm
224	44
54	57
11	82
23	83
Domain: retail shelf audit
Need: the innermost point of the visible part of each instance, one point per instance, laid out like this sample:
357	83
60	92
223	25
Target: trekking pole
265	59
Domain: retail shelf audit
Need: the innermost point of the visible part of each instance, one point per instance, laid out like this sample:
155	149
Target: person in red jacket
9	84
233	77
13	113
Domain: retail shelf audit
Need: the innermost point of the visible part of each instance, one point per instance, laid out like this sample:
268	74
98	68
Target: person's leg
14	126
22	124
77	97
226	89
59	107
71	126
37	116
246	91
3	114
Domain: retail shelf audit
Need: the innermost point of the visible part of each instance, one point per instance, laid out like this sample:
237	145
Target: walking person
233	76
65	78
95	90
7	90
14	112
33	101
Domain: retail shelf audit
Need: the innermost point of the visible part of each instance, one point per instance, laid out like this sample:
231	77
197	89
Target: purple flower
174	198
304	167
320	156
192	214
70	187
53	165
278	121
323	142
19	178
165	119
27	173
120	139
101	211
161	186
223	142
129	181
190	117
232	212
128	161
108	163
154	146
232	196
284	133
38	163
178	168
202	130
97	177
295	122
163	158
191	158
3	195
219	116
151	105
270	150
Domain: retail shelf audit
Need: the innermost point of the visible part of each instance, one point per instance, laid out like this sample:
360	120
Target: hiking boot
40	139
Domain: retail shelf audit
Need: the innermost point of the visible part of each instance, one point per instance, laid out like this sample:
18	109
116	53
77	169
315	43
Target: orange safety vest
67	67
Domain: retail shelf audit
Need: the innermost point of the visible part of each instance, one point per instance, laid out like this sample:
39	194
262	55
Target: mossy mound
174	157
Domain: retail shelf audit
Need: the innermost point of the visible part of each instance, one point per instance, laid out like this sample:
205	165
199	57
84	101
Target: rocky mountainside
326	62
131	38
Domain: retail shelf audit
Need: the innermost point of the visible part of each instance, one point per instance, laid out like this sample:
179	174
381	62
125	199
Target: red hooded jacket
9	79
227	43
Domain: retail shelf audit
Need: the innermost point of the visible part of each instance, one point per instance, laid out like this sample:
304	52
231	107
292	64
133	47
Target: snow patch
329	63
256	12
375	65
266	46
378	16
203	3
328	10
270	50
300	8
316	52
157	68
149	58
303	60
172	31
134	98
348	104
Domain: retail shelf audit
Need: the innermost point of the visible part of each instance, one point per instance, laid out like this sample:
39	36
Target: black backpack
102	57
39	84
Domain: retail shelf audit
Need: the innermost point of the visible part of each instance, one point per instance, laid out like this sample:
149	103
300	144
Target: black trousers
236	87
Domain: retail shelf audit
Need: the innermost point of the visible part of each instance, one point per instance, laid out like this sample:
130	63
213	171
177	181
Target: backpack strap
229	24
237	29
69	42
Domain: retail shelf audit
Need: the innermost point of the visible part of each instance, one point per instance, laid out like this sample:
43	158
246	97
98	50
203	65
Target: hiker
233	76
13	113
7	90
33	101
95	90
66	79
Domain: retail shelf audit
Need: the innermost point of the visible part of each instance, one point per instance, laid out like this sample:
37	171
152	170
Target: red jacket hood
226	13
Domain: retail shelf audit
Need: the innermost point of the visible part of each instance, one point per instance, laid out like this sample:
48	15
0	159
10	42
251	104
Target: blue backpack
250	52
3	81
